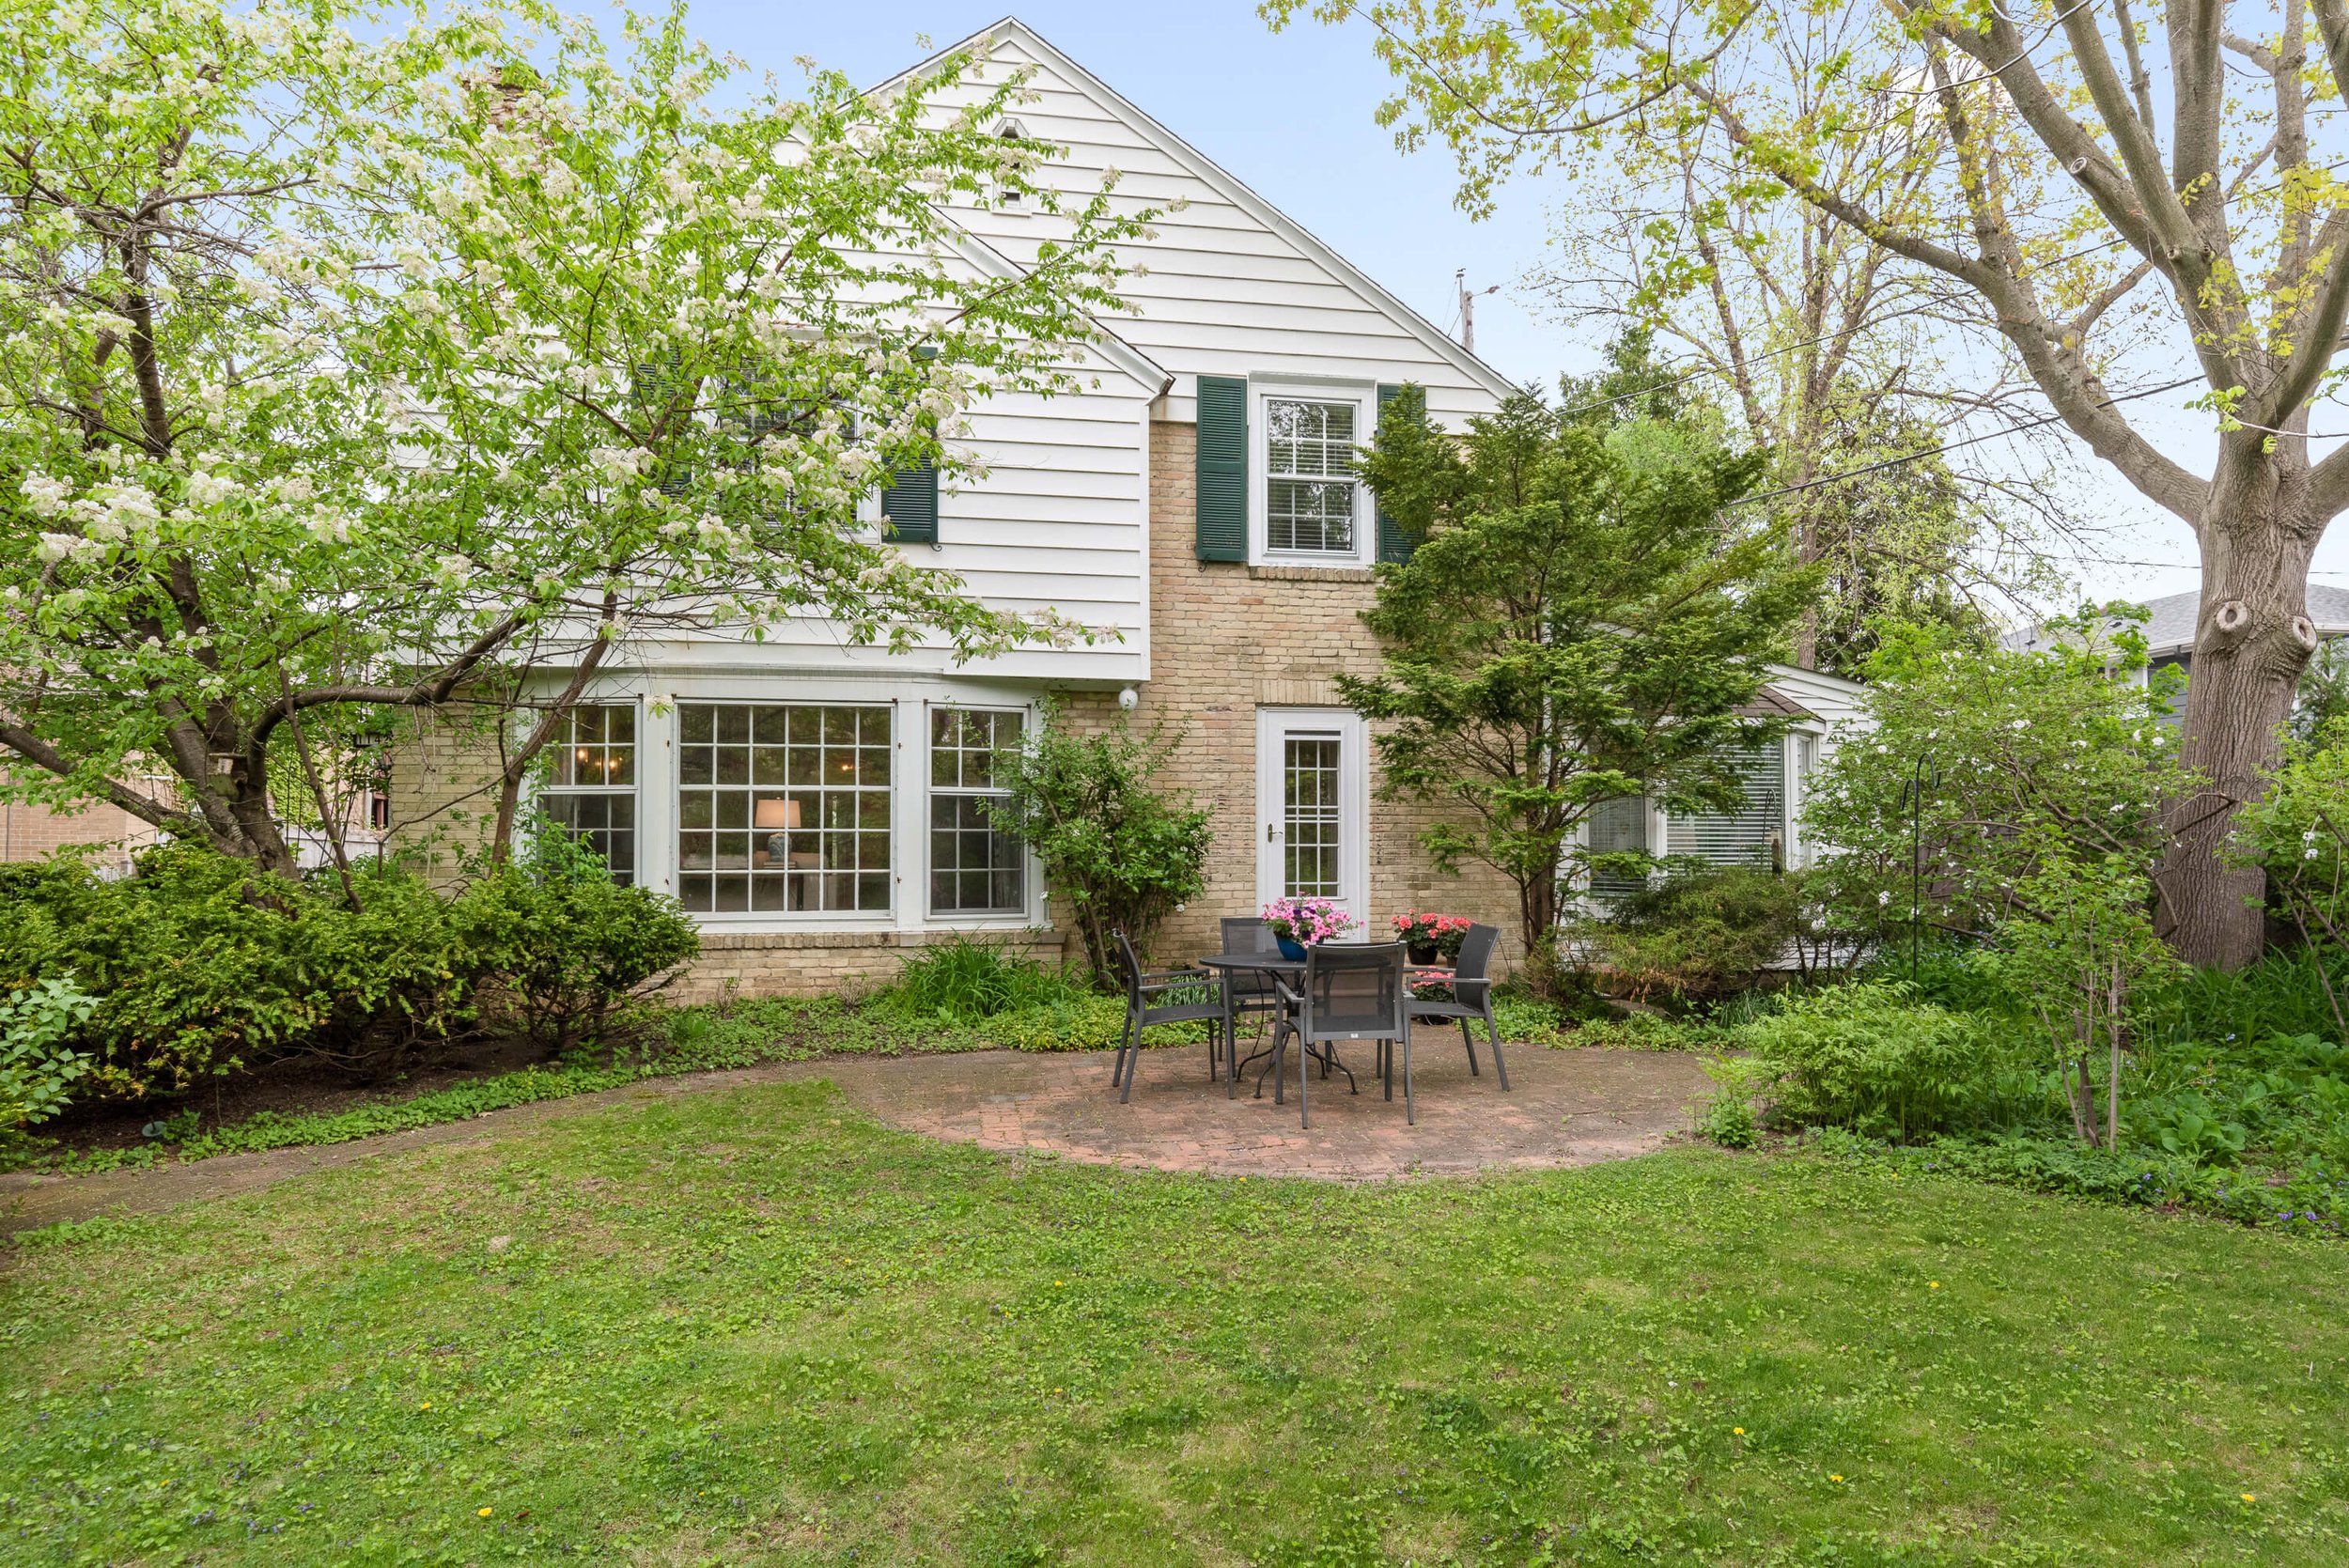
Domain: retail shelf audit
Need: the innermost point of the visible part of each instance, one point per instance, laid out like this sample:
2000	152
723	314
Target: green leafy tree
347	368
2109	201
2078	950
1895	546
2324	698
2019	799
1586	616
1118	852
1894	541
2298	836
1975	765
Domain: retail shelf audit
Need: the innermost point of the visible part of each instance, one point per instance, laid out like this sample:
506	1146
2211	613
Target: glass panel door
1312	795
1311	816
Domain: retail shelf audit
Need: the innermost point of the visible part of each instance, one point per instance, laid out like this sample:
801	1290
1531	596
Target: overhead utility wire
1952	446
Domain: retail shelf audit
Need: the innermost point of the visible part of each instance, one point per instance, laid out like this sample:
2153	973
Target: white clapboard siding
1227	286
1831	699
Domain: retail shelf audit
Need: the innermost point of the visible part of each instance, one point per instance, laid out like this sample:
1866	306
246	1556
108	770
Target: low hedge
202	966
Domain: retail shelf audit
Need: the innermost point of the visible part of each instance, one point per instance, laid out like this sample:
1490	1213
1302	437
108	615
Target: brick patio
1564	1108
1567	1107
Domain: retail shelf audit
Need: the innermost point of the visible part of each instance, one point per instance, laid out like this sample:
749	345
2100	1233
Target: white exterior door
1312	806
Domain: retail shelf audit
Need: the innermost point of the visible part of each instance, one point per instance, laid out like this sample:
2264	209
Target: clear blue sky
1290	115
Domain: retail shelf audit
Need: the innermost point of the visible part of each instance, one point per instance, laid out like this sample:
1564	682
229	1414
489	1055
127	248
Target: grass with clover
758	1327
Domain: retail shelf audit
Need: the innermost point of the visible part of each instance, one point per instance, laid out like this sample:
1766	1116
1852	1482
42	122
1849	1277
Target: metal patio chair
1254	991
1472	995
1167	996
1351	991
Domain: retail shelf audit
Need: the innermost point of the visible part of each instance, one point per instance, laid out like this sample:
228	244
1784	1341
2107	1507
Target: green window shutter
1223	467
910	505
1394	544
656	384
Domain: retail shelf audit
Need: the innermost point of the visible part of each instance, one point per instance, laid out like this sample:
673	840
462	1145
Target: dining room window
976	867
783	807
590	787
1312	492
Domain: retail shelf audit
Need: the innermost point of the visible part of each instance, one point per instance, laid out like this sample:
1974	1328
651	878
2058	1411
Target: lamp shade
775	812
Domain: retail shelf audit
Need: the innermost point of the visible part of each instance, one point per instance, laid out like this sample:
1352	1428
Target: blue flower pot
1291	947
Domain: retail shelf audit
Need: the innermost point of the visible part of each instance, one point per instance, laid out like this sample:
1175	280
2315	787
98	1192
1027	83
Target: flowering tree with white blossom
354	363
1977	767
2018	799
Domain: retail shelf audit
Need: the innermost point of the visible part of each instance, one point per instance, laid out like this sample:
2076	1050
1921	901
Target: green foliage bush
963	980
201	966
1872	1057
2023	759
36	1068
1119	854
560	944
998	997
1699	933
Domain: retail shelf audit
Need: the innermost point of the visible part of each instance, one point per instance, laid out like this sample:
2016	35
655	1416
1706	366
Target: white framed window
1621	825
1803	762
1752	832
783	807
590	789
1308	505
976	867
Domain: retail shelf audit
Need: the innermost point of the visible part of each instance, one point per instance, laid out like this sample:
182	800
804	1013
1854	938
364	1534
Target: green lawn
759	1327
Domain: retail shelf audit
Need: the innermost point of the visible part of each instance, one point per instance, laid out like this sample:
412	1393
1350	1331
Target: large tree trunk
2251	642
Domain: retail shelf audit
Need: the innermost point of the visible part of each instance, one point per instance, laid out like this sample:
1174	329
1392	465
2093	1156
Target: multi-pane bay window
1311	493
783	807
976	867
590	790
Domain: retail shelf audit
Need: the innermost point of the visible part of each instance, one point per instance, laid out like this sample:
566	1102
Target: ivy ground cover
758	1327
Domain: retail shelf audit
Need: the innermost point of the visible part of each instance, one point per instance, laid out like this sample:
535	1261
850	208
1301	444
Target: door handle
1271	831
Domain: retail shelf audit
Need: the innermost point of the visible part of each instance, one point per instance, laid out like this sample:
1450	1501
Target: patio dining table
1280	966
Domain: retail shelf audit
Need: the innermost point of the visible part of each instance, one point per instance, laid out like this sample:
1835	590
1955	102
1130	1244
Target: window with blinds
1751	833
1310	485
1616	827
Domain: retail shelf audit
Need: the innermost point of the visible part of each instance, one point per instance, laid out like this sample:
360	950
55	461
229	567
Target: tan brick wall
818	962
1226	638
33	832
441	791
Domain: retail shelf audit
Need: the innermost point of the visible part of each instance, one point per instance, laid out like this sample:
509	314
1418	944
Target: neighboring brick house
32	831
818	808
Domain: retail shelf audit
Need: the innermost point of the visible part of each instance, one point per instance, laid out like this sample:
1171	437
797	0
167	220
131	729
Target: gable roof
1200	166
2171	620
1124	355
1770	703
